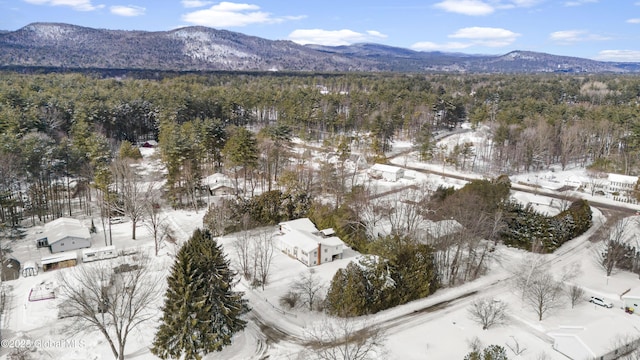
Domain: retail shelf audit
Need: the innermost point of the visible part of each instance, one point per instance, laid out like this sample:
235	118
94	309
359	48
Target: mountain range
197	48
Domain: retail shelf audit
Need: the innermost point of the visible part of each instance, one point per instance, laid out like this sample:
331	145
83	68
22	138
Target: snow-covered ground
444	333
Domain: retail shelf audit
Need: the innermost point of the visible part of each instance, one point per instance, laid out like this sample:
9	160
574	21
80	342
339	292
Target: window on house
325	249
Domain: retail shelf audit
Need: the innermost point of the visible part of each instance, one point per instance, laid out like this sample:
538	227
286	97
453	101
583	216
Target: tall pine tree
201	312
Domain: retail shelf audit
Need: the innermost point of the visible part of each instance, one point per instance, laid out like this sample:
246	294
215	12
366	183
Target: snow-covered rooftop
62	227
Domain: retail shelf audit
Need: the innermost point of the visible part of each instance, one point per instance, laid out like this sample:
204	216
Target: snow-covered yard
437	327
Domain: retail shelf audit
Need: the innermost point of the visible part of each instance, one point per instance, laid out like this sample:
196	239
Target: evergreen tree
491	352
201	312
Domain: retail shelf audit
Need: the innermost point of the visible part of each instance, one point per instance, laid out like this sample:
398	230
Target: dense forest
66	137
61	126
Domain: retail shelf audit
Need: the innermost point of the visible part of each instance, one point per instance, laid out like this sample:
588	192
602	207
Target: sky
607	30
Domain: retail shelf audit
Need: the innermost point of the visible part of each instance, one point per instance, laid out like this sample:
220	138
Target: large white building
300	239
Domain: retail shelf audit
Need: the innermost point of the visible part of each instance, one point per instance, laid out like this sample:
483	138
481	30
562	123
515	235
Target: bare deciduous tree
613	248
107	299
242	247
263	249
625	346
526	271
132	193
597	179
344	339
516	348
157	223
543	293
488	312
308	286
576	294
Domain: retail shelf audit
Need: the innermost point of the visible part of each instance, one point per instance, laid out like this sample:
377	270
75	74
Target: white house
65	234
586	342
386	172
301	240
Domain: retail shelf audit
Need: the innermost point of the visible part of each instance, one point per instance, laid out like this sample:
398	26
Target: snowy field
410	333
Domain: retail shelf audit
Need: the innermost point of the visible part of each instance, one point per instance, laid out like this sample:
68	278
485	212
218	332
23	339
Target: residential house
606	339
386	172
300	239
218	185
221	189
64	234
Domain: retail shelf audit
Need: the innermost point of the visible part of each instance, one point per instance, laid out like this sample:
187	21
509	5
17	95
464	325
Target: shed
59	261
29	269
65	234
10	269
386	172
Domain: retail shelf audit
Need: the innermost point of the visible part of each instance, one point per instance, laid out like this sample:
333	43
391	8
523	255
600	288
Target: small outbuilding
64	234
10	269
386	172
30	268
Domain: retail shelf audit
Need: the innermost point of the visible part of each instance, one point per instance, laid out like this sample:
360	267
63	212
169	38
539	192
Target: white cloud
573	36
130	10
579	2
486	36
195	3
80	5
333	37
377	34
228	14
619	55
466	7
634	21
475	36
525	3
431	46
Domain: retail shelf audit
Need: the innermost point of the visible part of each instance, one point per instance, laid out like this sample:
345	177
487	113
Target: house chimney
319	253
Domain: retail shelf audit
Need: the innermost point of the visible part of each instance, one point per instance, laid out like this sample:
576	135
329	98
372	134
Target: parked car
600	301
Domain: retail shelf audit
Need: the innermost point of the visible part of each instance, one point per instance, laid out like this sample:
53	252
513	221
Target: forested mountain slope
202	48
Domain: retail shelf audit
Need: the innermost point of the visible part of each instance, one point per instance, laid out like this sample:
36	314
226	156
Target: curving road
275	333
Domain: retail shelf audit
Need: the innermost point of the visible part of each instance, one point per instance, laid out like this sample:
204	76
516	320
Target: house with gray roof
64	234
